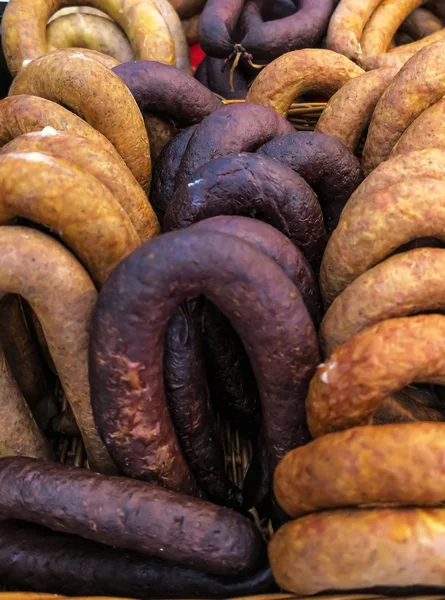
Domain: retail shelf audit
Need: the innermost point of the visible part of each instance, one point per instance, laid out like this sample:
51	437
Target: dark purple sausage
242	127
201	73
164	172
326	164
267	40
216	28
129	514
218	79
278	9
167	92
127	338
256	186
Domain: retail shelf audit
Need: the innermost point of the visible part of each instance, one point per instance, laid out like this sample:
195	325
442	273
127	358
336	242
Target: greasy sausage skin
161	523
127	340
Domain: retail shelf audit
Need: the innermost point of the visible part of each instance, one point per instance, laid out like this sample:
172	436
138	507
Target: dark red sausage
128	514
251	185
326	164
164	172
128	329
167	92
242	127
216	29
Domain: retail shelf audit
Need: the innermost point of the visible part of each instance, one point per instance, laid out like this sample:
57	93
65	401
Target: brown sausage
427	131
126	347
188	8
24	25
173	22
232	129
348	388
399	56
71	202
61	76
367	457
393	216
349	111
421	23
63	296
133	515
358	549
89	31
405	284
300	72
403	101
190	27
405	407
160	132
110	171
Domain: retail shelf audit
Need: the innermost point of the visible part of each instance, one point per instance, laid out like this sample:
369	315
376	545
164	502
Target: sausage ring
373	297
61	76
376	226
427	131
300	72
63	296
348	388
216	28
24	35
403	101
127	350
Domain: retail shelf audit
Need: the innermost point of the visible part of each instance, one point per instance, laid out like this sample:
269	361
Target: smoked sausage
427	131
216	29
126	345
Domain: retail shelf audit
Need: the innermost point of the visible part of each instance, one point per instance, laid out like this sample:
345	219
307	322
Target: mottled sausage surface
256	186
427	131
133	515
299	72
127	338
62	76
167	91
325	163
235	128
360	549
348	388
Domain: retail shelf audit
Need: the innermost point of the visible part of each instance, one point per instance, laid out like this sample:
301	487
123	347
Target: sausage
23	114
24	35
396	548
426	131
373	297
251	185
127	349
348	388
71	202
382	26
162	523
36	558
188	8
166	168
349	111
61	76
404	407
346	27
89	31
232	129
63	296
367	457
403	101
160	132
217	79
393	216
171	18
94	159
330	169
167	92
421	23
300	72
216	29
268	40
190	27
278	9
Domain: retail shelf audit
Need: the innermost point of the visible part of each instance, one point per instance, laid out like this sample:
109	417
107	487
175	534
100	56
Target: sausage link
89	31
161	524
94	159
160	132
393	216
61	76
427	131
348	388
399	56
71	202
403	101
349	111
24	23
299	72
173	22
217	79
358	549
63	296
216	27
421	23
402	285
188	8
126	349
190	27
